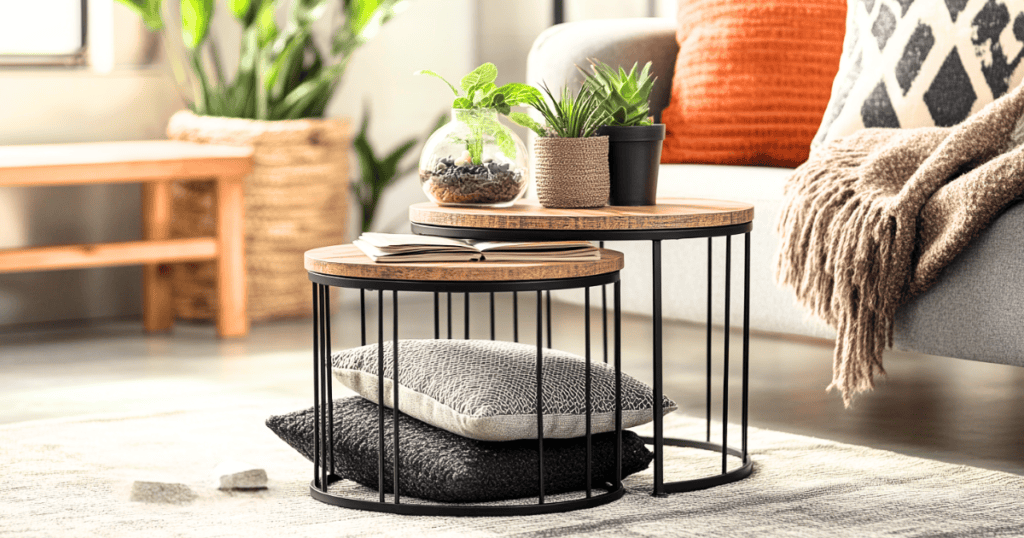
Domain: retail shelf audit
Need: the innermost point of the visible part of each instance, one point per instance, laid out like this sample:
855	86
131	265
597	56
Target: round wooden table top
349	261
670	213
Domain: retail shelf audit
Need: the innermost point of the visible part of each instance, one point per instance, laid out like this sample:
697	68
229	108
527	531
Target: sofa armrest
617	42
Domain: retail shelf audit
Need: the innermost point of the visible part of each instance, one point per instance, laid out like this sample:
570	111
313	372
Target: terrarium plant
634	142
475	159
571	163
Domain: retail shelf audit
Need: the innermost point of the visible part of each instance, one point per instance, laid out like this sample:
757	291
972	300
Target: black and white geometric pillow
923	63
487	390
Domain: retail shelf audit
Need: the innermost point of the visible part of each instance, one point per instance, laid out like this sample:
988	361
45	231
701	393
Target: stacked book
404	248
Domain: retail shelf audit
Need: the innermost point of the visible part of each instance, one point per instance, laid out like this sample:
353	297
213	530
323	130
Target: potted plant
571	163
274	100
474	160
634	143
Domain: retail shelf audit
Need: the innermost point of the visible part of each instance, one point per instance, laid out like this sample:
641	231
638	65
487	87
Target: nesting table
346	266
670	219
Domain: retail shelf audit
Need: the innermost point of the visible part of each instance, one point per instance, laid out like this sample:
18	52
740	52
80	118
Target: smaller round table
670	219
346	266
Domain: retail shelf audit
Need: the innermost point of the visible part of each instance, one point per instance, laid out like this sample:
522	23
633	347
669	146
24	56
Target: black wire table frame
323	460
656	236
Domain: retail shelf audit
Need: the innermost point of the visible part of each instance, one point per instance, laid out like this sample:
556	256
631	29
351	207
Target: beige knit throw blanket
872	219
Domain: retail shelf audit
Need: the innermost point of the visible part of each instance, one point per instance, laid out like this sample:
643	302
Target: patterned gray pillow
487	390
923	63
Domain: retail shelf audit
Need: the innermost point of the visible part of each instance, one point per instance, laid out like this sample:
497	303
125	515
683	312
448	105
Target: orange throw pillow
752	80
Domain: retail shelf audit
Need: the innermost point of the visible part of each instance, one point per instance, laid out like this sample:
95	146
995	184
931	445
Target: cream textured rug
72	478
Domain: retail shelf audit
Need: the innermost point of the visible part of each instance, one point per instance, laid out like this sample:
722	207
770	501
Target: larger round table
670	219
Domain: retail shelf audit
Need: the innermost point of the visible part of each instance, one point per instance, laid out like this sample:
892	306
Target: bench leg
232	315
157	300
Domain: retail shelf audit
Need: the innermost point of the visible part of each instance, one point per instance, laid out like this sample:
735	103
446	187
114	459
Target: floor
933	407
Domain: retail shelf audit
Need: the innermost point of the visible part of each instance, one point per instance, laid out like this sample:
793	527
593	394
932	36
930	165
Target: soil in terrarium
486	183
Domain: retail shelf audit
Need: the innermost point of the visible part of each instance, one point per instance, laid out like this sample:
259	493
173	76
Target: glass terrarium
474	160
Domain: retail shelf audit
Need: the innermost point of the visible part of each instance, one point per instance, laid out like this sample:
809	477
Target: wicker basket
571	172
295	200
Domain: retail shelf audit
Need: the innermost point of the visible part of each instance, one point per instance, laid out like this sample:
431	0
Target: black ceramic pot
634	155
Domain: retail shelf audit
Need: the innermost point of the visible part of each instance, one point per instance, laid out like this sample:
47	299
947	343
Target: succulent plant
625	97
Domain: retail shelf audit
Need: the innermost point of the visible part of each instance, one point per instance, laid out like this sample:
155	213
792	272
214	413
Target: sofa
975	311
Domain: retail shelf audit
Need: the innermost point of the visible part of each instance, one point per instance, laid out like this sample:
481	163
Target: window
42	32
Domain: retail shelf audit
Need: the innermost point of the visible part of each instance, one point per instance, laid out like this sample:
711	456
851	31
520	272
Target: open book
398	248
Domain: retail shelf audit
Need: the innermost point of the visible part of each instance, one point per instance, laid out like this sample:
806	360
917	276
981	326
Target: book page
384	240
515	246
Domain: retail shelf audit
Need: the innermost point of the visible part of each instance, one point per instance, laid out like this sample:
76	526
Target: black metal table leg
659	432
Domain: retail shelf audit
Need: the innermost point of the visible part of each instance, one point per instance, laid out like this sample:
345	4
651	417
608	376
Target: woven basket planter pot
571	172
295	200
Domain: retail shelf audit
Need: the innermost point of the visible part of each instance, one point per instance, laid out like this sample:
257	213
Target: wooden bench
154	164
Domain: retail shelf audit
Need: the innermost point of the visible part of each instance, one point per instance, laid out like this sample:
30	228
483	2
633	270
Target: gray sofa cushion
976	308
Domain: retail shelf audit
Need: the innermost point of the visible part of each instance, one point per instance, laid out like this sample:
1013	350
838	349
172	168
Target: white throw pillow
487	390
923	63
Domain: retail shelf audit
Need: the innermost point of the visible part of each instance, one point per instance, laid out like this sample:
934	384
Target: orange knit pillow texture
752	80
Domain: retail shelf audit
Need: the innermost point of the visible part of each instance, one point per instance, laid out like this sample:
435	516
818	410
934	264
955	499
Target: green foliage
571	116
625	97
379	173
149	10
281	73
479	95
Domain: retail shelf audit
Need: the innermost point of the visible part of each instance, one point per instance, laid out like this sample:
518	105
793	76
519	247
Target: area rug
72	477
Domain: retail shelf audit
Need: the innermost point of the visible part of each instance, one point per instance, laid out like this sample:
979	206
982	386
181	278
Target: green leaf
266	26
462	102
296	102
523	119
363	19
389	166
478	77
240	8
149	10
517	94
435	75
289	60
195	21
306	12
505	142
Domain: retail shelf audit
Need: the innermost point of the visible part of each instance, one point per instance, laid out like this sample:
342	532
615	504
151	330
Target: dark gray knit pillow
440	466
487	390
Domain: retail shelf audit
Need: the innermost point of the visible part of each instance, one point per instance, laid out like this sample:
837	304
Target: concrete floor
933	407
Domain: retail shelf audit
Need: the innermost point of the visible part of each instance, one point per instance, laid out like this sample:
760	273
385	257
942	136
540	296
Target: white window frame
79	57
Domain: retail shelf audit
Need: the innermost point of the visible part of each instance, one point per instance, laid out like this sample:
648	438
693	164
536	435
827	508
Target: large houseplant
570	162
274	100
634	143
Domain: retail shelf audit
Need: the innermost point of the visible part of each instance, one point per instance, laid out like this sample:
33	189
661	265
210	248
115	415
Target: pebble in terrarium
475	159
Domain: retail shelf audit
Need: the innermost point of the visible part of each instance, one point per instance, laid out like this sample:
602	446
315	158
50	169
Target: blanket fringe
835	214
